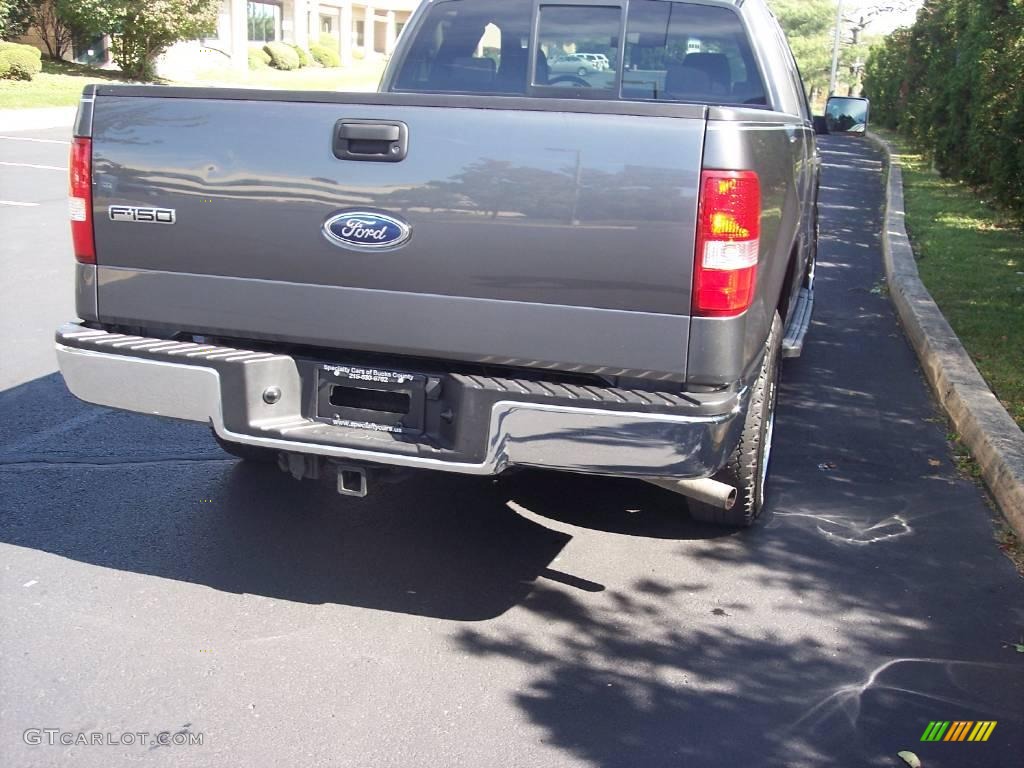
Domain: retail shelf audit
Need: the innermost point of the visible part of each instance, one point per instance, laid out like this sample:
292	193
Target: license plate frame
340	388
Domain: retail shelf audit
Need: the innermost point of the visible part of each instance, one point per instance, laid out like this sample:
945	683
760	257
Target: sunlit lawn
361	76
58	85
971	258
61	84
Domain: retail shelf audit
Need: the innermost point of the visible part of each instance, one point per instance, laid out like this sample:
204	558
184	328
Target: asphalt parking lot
150	583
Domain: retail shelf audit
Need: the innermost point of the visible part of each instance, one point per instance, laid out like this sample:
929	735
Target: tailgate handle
370	132
372	140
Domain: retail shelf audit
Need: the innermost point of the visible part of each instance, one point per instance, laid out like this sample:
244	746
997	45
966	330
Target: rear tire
747	468
250	453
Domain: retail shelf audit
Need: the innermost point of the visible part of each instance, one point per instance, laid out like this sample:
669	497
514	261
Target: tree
808	25
15	17
141	30
55	27
861	18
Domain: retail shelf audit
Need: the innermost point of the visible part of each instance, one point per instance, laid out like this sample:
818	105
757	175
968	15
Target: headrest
685	82
714	65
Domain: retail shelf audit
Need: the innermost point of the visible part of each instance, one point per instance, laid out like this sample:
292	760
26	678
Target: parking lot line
38	141
21	205
33	165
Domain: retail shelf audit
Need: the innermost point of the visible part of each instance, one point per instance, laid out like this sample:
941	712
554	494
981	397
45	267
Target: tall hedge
954	84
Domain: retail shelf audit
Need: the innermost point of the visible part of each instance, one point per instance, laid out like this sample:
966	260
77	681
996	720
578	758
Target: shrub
258	58
304	58
282	56
954	84
324	56
19	62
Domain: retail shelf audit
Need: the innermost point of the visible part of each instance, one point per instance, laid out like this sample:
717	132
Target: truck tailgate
554	238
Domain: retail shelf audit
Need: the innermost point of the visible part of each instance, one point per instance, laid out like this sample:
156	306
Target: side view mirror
820	125
845	115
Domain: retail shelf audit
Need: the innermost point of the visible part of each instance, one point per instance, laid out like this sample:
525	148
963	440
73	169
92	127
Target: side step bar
793	343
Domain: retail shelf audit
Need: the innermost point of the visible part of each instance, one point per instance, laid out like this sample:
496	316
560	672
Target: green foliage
19	62
808	25
16	17
142	29
282	56
324	56
305	60
883	79
258	58
954	84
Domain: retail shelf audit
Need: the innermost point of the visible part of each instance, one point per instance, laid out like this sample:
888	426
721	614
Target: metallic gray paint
721	350
614	342
83	116
447	101
540	207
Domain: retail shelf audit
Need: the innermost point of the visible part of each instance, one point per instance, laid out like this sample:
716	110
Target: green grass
60	84
971	259
361	76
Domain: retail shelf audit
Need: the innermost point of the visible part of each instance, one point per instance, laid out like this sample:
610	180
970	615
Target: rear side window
673	51
472	46
578	46
687	52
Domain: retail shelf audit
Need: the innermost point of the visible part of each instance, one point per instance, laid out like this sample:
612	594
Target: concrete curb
993	438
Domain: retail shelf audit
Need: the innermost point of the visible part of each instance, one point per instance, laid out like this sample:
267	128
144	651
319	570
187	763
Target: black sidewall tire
747	467
767	422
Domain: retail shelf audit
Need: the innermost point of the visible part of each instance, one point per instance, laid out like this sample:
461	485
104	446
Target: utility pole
835	48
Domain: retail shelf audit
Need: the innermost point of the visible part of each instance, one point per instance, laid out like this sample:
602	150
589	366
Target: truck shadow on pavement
149	496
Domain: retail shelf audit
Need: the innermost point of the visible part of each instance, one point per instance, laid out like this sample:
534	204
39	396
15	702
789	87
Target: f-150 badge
141	215
366	230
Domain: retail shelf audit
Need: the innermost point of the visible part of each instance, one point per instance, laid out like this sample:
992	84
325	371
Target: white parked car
574	64
599	59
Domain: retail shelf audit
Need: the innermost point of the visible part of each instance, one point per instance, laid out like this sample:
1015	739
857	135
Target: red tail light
728	238
80	201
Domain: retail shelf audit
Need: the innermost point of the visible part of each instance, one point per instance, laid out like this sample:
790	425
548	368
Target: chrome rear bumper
224	387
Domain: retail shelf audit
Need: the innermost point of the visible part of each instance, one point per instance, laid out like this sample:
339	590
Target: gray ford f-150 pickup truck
489	263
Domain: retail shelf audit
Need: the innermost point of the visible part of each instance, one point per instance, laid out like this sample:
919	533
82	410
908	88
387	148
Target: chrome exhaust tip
706	490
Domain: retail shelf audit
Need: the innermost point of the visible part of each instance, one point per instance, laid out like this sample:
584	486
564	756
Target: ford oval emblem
366	230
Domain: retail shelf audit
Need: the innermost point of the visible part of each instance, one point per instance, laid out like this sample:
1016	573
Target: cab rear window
669	51
687	52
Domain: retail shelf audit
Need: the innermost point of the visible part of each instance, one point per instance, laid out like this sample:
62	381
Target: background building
358	29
